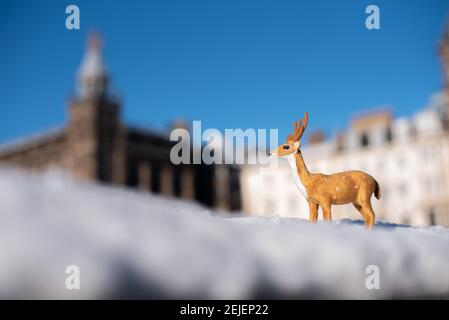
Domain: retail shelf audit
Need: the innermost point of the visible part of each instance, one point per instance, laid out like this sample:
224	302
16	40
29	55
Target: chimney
317	137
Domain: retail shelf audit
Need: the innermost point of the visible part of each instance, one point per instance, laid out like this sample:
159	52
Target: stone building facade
408	156
96	146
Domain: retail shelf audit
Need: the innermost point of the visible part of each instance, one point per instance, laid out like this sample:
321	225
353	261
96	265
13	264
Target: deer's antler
298	127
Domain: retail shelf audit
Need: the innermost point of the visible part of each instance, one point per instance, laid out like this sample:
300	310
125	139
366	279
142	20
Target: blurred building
408	156
96	146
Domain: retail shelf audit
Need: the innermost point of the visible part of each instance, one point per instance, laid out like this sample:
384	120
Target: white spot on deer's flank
355	186
336	189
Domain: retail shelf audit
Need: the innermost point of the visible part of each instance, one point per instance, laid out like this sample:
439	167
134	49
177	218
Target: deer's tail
377	192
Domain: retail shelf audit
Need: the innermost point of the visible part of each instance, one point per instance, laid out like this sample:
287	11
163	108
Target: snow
129	244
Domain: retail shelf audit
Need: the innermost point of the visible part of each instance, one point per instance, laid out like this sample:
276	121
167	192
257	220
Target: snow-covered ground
134	245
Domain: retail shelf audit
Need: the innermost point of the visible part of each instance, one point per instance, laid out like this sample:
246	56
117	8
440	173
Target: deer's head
293	142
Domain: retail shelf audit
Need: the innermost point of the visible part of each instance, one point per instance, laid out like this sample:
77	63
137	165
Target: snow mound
134	245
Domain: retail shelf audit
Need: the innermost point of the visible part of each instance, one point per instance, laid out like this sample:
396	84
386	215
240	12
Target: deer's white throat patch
294	170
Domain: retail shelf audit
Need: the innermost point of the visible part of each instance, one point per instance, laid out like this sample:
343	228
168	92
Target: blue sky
231	64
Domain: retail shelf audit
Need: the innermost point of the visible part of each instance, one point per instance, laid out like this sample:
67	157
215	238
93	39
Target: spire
444	53
92	76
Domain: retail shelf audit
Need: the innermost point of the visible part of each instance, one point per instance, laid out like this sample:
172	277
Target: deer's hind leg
367	213
359	209
326	207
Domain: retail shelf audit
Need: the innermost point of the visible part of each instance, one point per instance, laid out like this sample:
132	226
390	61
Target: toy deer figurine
321	190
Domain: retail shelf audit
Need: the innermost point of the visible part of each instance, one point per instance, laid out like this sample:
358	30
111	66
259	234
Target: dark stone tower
96	146
95	134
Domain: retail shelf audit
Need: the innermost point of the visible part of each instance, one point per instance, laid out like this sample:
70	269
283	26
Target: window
132	176
430	153
177	187
155	184
432	218
389	135
364	141
433	185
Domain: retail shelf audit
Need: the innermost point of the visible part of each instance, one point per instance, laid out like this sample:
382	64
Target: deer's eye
286	147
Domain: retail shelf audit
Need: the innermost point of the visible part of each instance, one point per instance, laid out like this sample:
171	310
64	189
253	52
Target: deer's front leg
313	212
326	206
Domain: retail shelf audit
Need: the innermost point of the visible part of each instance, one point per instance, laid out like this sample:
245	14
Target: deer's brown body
321	190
